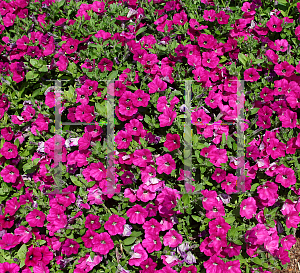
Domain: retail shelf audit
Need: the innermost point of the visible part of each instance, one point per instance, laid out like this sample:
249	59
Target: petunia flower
103	243
33	256
167	117
9	150
10	174
165	164
9	268
274	24
172	238
248	207
92	222
172	142
70	247
9	241
115	224
36	218
137	214
138	256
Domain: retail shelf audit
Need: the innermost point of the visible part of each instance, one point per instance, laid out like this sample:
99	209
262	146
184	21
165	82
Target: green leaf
196	218
254	111
22	254
129	241
31	75
60	3
143	29
44	68
112	75
36	161
143	142
257	261
185	199
242	58
76	181
34	63
17	142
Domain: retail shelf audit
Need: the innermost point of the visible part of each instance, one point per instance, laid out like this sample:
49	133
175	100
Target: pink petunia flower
115	224
92	222
138	256
251	75
172	142
33	256
288	241
275	24
9	241
9	150
9	268
142	157
284	69
248	207
167	117
137	214
165	164
10	174
209	15
123	139
70	247
172	238
36	218
152	243
214	265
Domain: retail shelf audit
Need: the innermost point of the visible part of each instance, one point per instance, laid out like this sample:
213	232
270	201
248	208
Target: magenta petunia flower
180	18
115	225
251	75
9	241
70	46
142	157
9	268
165	164
209	15
123	139
7	133
36	218
284	69
210	59
102	243
105	64
47	255
9	150
206	41
275	24
92	222
219	175
222	17
157	85
138	256
172	142
214	265
172	238
283	255
152	243
10	174
288	241
276	148
70	247
137	214
33	256
167	117
88	238
248	207
292	219
134	127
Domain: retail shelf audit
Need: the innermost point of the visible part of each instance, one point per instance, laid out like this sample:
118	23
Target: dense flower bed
156	220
